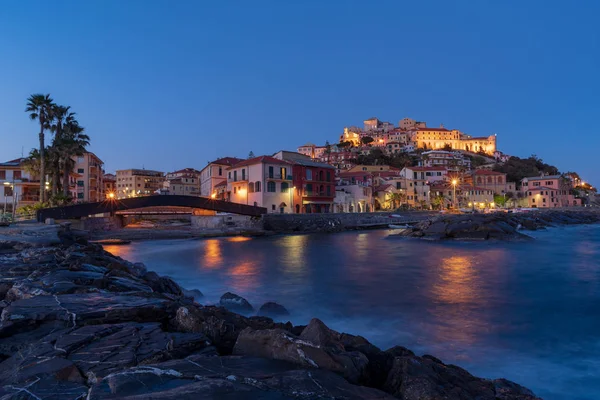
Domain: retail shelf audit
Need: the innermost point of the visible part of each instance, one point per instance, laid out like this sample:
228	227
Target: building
442	138
262	181
442	195
138	182
353	198
453	160
109	182
88	184
407	124
183	182
313	151
314	183
17	185
492	180
352	135
374	125
416	182
548	191
215	173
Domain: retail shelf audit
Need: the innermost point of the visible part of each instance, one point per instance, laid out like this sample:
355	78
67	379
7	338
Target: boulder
233	302
221	326
273	310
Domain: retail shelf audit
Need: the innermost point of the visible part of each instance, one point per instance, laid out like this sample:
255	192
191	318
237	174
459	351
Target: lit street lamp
454	182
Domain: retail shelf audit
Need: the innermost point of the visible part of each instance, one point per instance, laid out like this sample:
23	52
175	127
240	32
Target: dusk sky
168	85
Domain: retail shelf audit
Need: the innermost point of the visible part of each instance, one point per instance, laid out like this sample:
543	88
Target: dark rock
229	377
221	326
193	293
236	303
273	310
162	284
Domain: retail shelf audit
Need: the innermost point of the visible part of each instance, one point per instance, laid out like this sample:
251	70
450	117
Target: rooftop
226	161
259	160
541	178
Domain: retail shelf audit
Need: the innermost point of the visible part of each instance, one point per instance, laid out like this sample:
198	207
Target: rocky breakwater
495	226
79	323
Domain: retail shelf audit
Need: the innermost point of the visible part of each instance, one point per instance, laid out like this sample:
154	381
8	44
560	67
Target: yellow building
138	182
439	138
351	135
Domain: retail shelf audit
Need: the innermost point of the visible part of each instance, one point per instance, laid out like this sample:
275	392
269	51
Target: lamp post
6	185
292	199
454	182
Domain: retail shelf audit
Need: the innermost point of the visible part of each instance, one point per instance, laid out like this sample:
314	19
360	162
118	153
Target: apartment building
88	186
214	174
17	186
138	182
109	182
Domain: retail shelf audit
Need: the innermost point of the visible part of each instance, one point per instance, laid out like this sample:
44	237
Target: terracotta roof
226	161
433	129
536	188
187	171
224	183
381	188
260	160
541	178
423	169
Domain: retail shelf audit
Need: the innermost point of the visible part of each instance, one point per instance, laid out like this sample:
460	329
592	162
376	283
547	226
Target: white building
214	175
262	181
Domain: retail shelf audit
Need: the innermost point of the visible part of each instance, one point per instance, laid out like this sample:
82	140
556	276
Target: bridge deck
110	206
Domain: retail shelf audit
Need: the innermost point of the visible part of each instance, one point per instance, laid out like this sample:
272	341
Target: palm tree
72	143
396	199
60	116
38	105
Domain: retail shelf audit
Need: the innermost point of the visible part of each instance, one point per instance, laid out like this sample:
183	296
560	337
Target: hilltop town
377	167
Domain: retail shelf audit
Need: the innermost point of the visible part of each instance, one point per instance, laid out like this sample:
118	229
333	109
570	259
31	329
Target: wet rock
273	310
221	326
229	377
47	388
162	284
233	302
278	344
193	293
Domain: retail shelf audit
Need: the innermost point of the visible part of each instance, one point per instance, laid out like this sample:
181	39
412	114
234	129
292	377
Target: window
2	174
285	187
309	188
271	172
234	190
80	183
220	171
489	179
251	187
257	187
16	174
398	186
499	179
309	174
273	207
328	176
271	187
80	195
283	173
244	174
229	175
80	170
328	190
235	176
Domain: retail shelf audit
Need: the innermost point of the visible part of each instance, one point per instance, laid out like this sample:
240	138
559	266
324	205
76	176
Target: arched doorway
297	208
282	207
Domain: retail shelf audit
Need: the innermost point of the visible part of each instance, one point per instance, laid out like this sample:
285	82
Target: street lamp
6	185
292	199
454	182
244	192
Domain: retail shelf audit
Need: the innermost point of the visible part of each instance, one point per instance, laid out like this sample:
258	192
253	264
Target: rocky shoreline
79	323
496	226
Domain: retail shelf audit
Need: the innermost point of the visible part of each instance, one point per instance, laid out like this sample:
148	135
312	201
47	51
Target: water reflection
236	239
212	257
293	258
122	251
244	277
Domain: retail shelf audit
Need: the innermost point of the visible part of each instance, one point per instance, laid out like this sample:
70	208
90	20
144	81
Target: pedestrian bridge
113	205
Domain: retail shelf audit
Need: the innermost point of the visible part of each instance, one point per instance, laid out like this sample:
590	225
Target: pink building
548	192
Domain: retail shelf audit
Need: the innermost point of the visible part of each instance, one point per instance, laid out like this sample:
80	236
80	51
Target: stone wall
96	224
133	218
335	222
225	222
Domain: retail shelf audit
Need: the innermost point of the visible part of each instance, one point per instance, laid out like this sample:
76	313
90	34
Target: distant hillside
518	168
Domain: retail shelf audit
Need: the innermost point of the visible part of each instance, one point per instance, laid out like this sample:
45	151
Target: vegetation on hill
378	157
518	168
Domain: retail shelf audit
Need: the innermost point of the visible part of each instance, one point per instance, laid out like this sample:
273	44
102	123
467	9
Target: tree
366	140
447	147
251	154
59	117
38	107
73	142
345	144
437	201
396	199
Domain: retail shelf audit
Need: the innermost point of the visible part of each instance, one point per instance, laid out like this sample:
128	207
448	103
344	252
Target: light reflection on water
528	312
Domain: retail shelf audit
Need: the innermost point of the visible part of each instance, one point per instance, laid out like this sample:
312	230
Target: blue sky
167	85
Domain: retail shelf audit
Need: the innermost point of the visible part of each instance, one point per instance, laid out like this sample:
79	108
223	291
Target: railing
278	176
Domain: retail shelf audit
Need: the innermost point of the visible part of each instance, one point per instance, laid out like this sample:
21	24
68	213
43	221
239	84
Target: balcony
278	177
240	179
